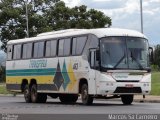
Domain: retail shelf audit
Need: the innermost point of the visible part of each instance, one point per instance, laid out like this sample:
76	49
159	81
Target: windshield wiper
133	58
119	61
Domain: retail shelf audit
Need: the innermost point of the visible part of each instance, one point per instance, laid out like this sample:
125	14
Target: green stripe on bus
31	72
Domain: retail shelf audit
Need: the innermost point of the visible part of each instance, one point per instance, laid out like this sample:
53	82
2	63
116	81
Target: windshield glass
124	53
137	52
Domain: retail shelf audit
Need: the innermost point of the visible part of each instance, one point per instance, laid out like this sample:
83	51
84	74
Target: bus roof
99	32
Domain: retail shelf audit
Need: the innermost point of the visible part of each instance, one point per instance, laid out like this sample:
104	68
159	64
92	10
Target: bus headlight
145	84
109	84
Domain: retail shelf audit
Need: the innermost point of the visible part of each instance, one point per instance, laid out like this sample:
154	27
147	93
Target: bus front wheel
127	99
86	98
27	94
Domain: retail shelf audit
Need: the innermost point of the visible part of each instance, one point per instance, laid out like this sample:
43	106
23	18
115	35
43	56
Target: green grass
155	83
3	89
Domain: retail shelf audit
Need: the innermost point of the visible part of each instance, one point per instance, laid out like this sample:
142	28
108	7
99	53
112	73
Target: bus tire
68	98
34	94
86	98
37	97
27	94
127	99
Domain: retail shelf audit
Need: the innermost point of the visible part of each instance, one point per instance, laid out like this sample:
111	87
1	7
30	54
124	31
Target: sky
126	14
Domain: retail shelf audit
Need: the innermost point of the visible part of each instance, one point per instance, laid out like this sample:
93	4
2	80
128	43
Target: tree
157	55
13	18
44	16
62	17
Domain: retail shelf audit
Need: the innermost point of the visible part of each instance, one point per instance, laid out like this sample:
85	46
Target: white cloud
126	14
72	3
131	6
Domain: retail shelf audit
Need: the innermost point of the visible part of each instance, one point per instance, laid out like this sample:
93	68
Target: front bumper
118	88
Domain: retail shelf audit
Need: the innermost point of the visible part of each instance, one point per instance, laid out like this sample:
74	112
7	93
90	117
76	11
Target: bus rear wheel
27	94
86	98
127	99
68	98
37	97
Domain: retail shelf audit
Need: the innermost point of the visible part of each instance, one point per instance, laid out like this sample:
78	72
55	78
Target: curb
138	99
11	95
146	101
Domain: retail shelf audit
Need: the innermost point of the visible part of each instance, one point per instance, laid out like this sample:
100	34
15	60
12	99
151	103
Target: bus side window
60	48
38	50
27	50
81	41
74	45
51	47
9	52
78	45
24	51
67	47
35	52
48	49
17	52
41	49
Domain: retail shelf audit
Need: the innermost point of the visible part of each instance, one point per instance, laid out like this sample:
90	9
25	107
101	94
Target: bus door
93	73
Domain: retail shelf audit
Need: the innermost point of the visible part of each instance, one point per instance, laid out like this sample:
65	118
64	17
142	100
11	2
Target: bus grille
128	90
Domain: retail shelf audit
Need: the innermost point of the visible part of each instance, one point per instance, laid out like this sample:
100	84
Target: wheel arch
81	82
24	82
33	81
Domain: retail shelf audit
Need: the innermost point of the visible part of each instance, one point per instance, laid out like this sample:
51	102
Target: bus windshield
124	53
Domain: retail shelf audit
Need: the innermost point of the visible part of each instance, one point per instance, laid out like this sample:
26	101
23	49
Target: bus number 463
75	66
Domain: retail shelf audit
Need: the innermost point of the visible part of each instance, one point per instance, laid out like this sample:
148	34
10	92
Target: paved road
53	106
16	105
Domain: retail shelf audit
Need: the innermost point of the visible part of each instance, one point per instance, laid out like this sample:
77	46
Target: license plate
129	85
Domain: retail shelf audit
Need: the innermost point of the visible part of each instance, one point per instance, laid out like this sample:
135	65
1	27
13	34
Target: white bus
93	63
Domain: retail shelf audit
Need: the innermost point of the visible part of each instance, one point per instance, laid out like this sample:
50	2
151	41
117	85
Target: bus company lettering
38	63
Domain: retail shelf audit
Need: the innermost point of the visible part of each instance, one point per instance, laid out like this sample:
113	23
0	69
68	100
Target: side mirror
151	58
